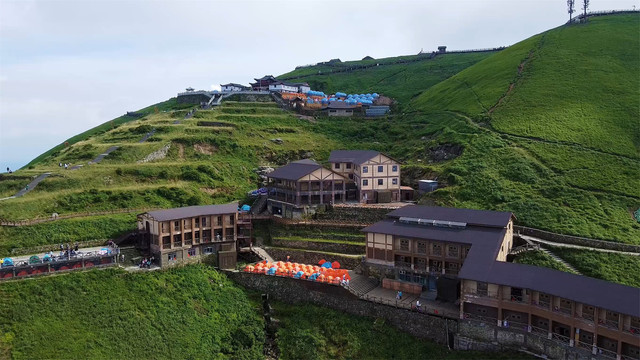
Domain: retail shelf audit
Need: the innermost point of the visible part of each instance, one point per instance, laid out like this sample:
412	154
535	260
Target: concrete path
29	187
147	136
557	244
86	251
262	254
560	260
101	156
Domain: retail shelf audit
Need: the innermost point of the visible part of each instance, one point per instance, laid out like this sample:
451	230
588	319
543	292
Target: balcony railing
403	264
562	310
561	338
611	324
584	345
436	252
519	299
607	353
481	293
587	316
634	330
542	304
480	318
166	246
177	244
451	271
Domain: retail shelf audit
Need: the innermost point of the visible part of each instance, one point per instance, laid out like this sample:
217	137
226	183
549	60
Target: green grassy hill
460	123
401	78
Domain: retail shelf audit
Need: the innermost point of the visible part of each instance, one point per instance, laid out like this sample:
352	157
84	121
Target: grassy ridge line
169	104
400	81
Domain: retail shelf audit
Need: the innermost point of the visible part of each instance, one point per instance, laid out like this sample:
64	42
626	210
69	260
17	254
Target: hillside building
186	234
336	108
262	84
461	255
373	176
284	87
232	87
299	187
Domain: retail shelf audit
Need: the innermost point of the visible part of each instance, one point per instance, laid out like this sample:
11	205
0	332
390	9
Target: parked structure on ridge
232	87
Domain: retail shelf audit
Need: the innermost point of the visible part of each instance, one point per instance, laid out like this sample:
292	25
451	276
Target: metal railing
484	294
584	345
586	316
561	338
634	330
542	304
606	353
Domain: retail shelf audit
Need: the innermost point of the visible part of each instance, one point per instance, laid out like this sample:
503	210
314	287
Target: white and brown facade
186	234
295	189
375	175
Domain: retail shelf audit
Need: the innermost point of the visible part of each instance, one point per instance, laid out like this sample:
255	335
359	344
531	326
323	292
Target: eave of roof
192	211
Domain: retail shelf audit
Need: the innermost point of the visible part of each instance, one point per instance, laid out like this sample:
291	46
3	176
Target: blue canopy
326	265
7	261
245	207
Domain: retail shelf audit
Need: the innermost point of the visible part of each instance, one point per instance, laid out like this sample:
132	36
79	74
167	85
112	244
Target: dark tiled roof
191	211
341	105
583	289
234	84
266	77
352	156
295	170
469	216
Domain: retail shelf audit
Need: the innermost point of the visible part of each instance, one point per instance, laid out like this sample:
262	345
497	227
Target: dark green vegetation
62	231
191	312
539	258
620	268
311	332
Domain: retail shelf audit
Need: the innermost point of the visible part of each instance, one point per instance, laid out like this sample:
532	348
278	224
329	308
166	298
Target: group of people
66	166
69	250
146	262
9	170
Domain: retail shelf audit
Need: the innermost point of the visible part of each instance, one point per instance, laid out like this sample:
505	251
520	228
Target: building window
365	182
380	182
394	168
171	256
483	288
208	250
422	247
336	166
204	221
165	227
437	250
453	251
380	168
191	252
197	222
231	219
365	169
348	165
404	244
394	181
219	221
176	226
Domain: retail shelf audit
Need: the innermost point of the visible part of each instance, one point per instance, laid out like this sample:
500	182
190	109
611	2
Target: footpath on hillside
30	186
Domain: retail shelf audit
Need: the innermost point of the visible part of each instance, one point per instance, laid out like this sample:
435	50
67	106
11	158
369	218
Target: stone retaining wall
295	291
575	240
307	257
320	246
474	335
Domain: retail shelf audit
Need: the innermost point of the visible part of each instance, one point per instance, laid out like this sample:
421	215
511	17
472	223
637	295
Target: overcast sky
66	66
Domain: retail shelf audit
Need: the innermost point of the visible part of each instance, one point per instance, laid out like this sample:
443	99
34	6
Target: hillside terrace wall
295	291
320	246
307	257
574	240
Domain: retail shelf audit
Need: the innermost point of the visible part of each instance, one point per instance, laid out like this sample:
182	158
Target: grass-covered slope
401	78
192	312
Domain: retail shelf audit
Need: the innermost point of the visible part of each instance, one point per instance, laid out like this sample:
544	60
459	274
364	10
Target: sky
67	66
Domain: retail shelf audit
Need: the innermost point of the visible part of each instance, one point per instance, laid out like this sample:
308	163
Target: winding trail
29	187
101	156
572	246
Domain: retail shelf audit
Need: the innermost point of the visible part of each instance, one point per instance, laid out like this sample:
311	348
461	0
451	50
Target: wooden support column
321	191
171	233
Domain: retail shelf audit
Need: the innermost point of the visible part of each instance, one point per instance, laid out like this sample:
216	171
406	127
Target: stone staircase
262	254
560	260
359	285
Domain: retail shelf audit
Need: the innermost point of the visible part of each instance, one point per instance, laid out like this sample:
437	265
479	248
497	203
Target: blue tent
326	265
7	262
245	207
298	275
272	271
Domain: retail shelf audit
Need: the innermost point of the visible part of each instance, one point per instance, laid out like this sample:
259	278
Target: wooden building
298	188
428	245
376	176
186	234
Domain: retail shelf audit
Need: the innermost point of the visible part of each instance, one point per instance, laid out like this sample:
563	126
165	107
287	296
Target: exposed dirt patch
211	191
180	151
444	152
206	149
